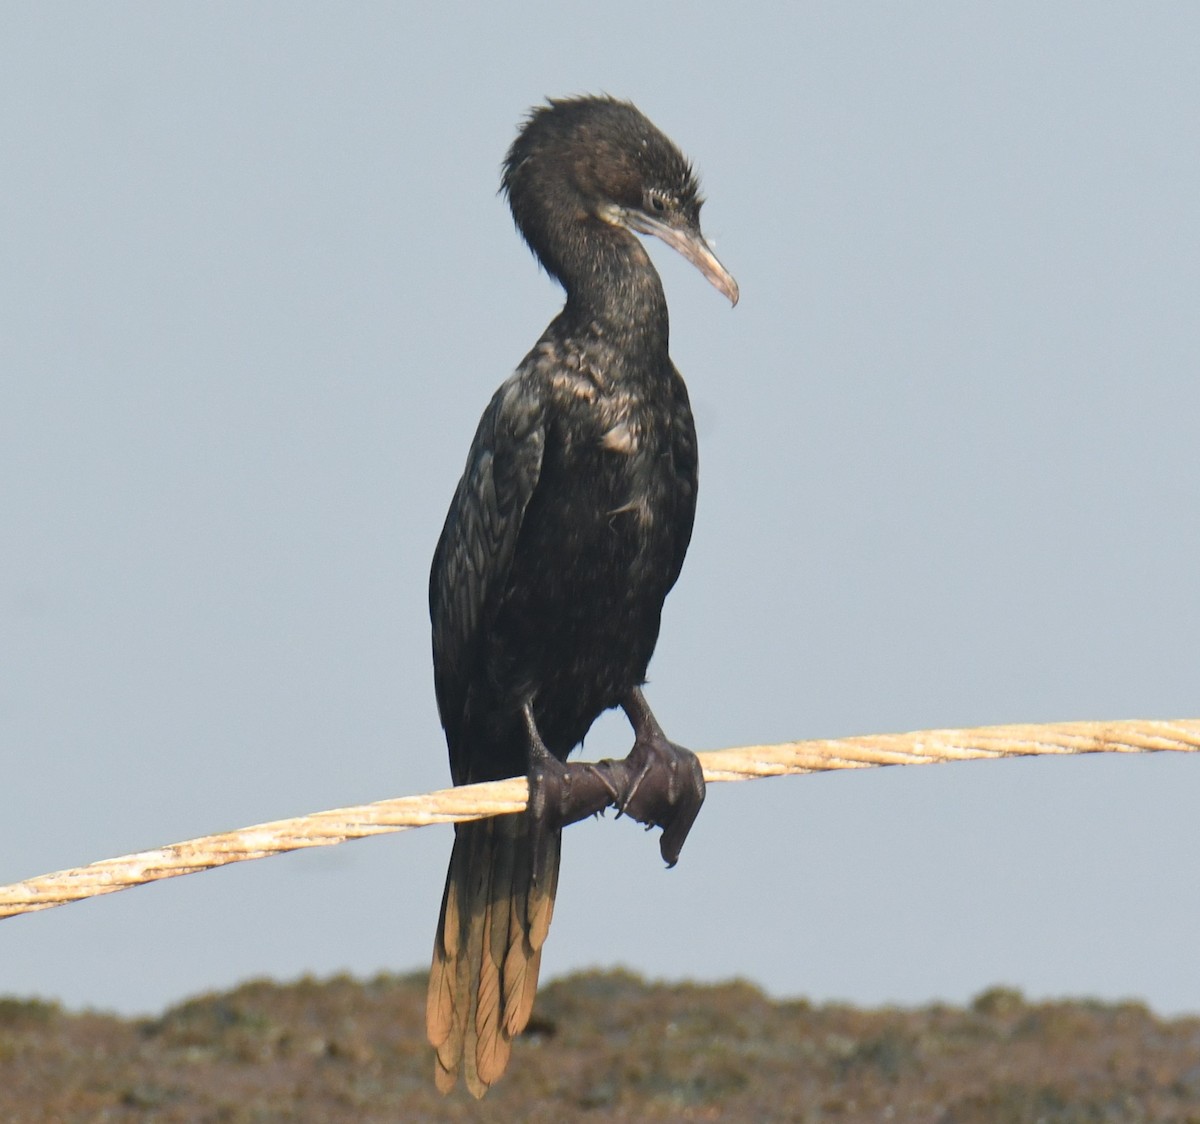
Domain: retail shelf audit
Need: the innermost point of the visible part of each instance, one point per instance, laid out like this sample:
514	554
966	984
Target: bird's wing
474	554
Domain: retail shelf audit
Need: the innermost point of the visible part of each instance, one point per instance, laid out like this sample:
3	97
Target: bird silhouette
567	530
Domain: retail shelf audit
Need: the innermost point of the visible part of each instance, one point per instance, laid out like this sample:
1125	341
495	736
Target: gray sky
257	286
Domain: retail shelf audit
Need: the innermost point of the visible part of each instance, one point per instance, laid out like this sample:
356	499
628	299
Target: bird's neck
615	285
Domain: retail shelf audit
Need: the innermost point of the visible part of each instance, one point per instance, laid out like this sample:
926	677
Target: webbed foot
560	793
664	787
659	783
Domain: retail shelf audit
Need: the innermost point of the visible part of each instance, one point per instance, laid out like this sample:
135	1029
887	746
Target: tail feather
442	1026
449	987
487	953
530	924
491	1047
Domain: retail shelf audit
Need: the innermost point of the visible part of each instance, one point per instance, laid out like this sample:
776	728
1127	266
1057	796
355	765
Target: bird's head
588	159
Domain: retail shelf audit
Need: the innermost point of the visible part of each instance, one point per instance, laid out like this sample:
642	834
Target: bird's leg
659	783
560	793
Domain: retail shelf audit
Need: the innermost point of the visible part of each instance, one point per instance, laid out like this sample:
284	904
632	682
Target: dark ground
602	1047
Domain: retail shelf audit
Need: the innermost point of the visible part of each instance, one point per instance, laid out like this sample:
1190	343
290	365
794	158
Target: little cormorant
565	534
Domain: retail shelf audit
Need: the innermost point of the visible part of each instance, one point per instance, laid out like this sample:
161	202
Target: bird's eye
657	202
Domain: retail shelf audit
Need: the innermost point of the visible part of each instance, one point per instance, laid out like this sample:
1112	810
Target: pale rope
498	797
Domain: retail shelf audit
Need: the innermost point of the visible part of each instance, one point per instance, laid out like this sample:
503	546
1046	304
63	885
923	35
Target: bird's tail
488	950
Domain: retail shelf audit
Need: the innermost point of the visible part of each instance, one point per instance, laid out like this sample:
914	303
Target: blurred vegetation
602	1047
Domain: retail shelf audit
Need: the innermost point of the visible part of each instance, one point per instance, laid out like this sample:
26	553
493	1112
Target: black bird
565	534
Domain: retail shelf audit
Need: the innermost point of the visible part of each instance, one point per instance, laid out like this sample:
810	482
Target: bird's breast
610	452
621	438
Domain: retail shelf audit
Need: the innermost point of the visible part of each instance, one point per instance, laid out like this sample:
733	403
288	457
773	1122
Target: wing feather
475	551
